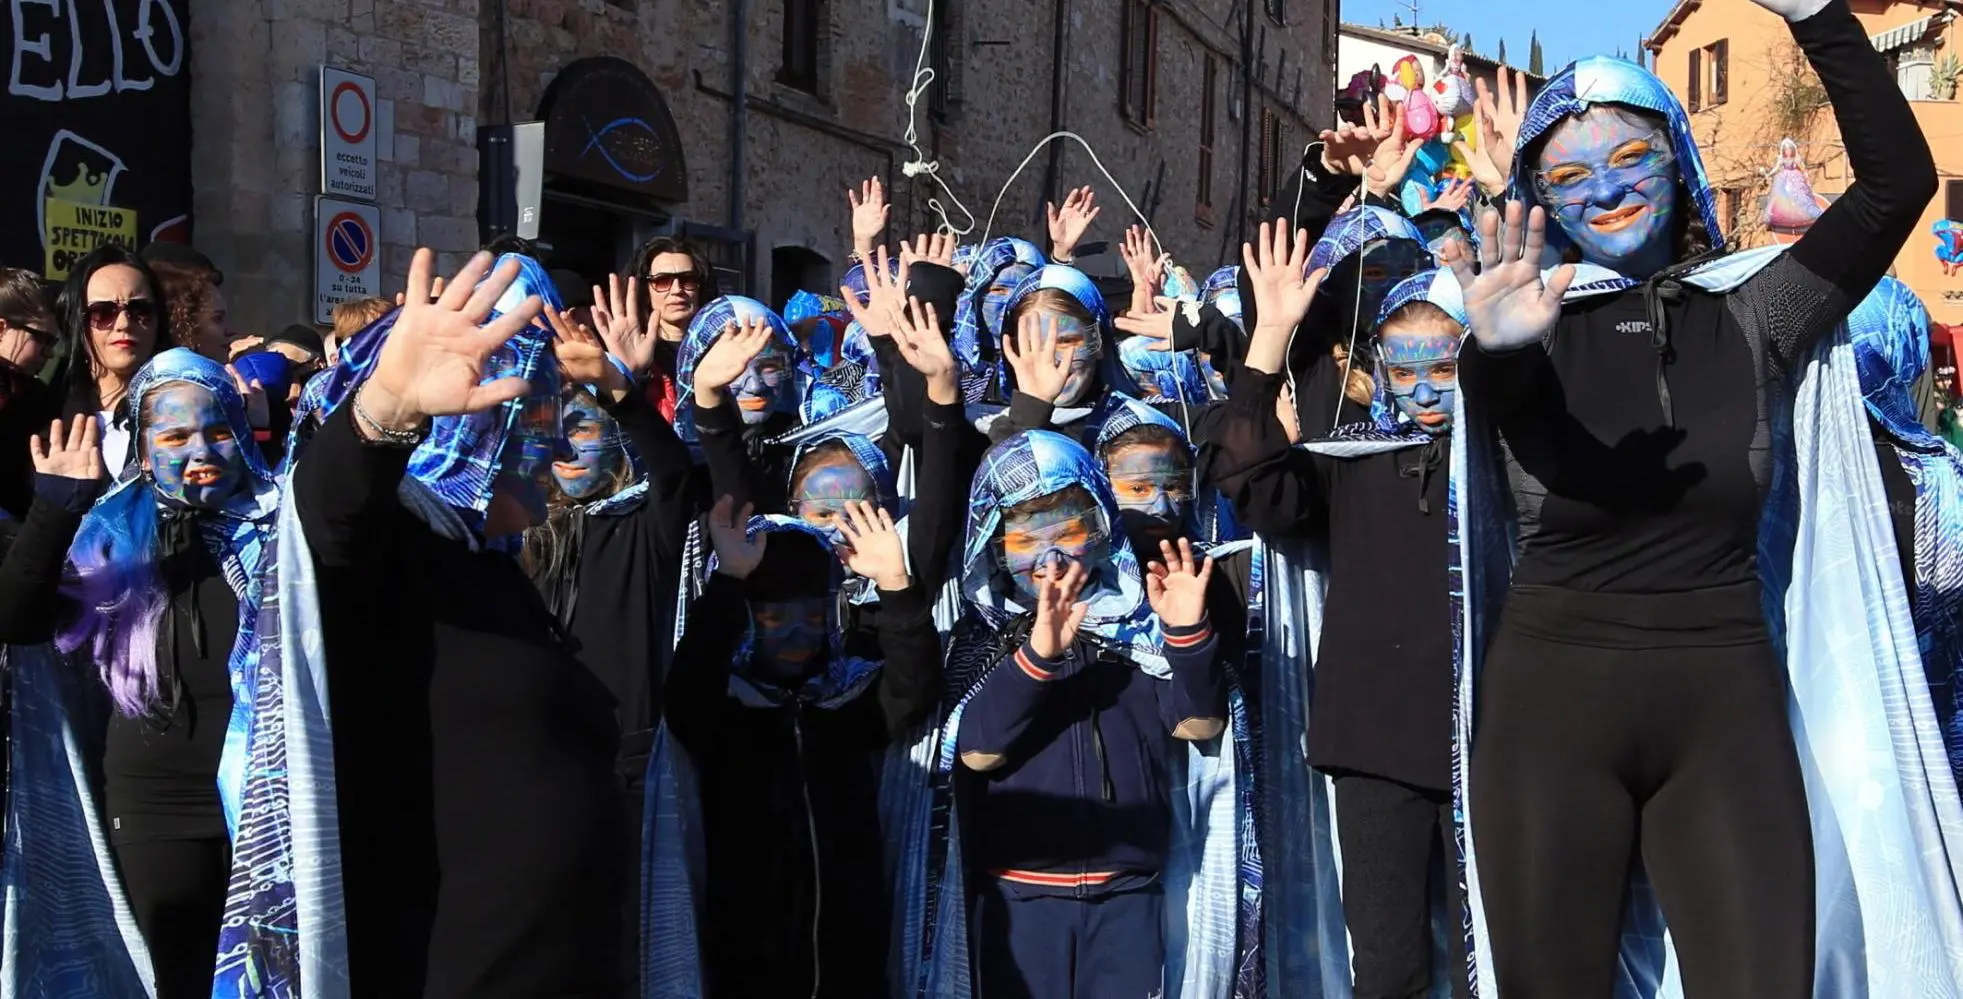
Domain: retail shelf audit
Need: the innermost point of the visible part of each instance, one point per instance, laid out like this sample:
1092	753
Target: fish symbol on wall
626	139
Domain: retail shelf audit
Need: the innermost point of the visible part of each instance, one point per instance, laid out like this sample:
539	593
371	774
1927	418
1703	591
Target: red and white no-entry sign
347	135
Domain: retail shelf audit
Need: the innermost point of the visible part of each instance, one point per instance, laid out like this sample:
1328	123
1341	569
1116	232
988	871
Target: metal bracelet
384	435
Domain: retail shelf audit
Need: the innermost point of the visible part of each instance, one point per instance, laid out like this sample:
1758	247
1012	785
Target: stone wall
443	66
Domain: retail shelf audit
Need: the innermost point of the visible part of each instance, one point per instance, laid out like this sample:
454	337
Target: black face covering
1146	531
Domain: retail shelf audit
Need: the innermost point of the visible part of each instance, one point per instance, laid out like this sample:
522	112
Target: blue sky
1564	37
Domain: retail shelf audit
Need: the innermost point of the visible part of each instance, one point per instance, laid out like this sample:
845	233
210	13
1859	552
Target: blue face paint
764	388
1080	341
788	636
1609	178
1215	381
1154	486
190	448
1046	544
995	301
1421	373
825	490
590	455
526	472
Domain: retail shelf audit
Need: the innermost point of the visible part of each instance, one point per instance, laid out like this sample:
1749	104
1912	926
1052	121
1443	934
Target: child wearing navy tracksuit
1070	816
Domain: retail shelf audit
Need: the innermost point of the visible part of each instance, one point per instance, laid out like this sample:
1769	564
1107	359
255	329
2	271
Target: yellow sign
72	229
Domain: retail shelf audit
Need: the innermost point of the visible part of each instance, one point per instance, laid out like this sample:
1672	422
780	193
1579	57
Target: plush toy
1452	93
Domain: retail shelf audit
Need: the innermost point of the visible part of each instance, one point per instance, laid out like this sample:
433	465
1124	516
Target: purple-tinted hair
116	598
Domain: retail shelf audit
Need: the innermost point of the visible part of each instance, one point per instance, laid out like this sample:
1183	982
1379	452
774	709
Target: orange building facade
1734	65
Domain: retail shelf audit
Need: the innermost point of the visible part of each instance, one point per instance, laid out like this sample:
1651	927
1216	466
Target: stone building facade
1198	109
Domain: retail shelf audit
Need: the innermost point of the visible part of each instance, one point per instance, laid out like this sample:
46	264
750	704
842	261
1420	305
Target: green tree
1533	55
1466	44
1502	56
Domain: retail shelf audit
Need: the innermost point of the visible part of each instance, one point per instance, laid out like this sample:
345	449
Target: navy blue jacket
1080	805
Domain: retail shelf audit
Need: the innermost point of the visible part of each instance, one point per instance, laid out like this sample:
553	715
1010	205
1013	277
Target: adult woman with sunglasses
27	336
677	281
111	307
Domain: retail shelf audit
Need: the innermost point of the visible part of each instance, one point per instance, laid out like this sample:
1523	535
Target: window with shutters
1953	200
803	25
1138	75
1270	167
1696	101
1209	88
1717	66
939	54
1275	12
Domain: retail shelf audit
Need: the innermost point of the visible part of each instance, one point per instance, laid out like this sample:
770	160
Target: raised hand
917	334
886	294
433	360
1144	265
1175	586
736	555
869	212
874	547
1508	303
1456	195
583	358
258	412
934	248
1154	324
1503	113
1069	223
620	317
1058	614
1391	163
725	360
69	452
1041	369
1282	291
1349	148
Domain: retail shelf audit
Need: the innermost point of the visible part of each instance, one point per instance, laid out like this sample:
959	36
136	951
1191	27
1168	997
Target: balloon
1407	77
1421	119
1452	93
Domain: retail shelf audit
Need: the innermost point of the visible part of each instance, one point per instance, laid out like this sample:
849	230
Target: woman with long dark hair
112	309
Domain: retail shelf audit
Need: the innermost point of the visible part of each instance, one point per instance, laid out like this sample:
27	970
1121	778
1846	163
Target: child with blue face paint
1635	400
1067	739
1372	497
153	590
784	708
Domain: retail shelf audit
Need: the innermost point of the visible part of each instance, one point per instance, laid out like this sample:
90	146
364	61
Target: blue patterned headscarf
1349	233
844	677
986	265
1175	374
1078	285
1607	80
180	364
1890	331
458	464
703	331
1036	463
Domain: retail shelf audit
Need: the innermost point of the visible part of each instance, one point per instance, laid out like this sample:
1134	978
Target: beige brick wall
437	69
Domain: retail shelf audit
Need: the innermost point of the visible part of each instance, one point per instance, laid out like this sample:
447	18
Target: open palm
68	452
435	358
1509	304
1058	614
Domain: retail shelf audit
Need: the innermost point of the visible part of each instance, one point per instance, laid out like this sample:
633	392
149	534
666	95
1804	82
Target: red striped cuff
1038	668
1048	879
1190	637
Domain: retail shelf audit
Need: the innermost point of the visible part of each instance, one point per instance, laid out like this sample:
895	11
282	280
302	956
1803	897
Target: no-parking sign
347	249
347	134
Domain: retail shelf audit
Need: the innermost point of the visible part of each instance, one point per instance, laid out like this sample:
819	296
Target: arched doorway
796	268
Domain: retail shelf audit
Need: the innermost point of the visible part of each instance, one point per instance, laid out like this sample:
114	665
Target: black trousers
176	890
1587	757
1389	833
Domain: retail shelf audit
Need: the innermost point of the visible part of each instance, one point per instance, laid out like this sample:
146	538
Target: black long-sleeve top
1616	494
779	783
628	575
1383	670
159	771
482	829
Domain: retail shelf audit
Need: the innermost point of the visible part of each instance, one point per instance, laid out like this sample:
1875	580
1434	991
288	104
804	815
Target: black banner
98	111
606	123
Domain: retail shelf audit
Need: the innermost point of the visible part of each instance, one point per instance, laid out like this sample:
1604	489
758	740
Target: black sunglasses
691	281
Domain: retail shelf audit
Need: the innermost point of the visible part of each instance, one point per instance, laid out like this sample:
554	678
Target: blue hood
1037	463
459	462
1077	285
1355	229
179	364
703	330
1607	80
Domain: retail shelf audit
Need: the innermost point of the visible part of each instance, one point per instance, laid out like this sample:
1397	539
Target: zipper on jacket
817	872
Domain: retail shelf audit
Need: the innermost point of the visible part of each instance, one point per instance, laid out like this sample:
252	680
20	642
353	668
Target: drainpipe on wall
1247	114
1060	36
739	106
